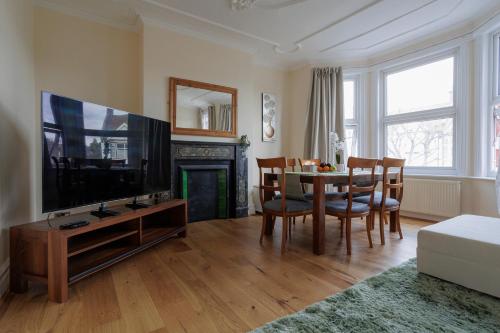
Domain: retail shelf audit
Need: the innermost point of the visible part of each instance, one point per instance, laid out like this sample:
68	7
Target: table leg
268	196
319	215
392	220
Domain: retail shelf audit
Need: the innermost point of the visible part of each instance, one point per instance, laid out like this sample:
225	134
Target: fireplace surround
212	177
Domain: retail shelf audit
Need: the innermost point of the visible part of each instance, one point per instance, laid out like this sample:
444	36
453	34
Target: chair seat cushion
291	205
328	195
377	200
340	206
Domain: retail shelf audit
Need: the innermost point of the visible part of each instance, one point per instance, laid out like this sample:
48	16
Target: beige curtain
212	119
325	112
224	118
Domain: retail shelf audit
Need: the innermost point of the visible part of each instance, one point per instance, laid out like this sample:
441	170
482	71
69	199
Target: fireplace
212	177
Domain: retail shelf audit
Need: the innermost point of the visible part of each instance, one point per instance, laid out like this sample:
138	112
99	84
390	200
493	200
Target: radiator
432	197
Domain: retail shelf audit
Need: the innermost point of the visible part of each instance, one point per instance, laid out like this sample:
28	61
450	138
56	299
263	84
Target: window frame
493	99
356	123
454	112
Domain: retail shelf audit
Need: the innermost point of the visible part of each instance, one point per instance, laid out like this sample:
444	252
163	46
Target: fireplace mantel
209	154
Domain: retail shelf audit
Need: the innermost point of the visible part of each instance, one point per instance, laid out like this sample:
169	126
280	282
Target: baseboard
421	216
4	278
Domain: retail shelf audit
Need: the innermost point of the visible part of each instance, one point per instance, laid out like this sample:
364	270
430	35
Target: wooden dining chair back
291	163
283	206
304	162
271	164
397	183
368	184
348	209
387	203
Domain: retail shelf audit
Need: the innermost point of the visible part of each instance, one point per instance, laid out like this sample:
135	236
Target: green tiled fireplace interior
222	208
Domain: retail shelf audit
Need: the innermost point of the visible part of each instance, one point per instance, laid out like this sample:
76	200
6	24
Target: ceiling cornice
189	32
216	24
85	15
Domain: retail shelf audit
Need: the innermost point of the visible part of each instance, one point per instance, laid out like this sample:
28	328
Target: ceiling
290	32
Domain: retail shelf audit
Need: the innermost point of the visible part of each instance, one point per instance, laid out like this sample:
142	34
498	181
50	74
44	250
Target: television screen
93	153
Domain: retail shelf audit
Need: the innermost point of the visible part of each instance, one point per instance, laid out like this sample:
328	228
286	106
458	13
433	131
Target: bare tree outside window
420	114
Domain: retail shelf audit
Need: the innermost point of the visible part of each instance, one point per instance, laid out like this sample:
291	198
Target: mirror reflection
203	109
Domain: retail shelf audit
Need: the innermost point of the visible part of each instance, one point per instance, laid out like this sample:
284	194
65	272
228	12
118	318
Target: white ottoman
464	250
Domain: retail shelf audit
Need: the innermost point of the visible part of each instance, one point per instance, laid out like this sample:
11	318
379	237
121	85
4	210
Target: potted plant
244	144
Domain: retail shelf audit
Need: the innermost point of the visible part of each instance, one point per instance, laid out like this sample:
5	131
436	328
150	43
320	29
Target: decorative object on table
339	150
244	143
423	304
326	167
269	106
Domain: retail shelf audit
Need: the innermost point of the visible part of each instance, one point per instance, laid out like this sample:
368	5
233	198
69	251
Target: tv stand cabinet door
57	267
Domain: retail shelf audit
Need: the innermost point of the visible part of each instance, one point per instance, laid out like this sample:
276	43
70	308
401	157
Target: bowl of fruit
326	167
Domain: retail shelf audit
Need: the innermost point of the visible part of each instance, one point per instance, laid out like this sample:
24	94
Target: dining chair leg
369	230
348	235
304	219
381	223
290	228
263	230
398	225
341	228
294	220
385	219
284	233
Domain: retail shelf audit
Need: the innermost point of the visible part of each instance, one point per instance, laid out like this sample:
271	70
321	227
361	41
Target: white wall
17	121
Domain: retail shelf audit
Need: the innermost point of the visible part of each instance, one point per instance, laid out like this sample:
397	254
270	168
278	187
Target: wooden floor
218	279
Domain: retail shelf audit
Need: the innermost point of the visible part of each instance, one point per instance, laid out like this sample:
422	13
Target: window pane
498	66
351	141
348	99
496	153
421	88
423	144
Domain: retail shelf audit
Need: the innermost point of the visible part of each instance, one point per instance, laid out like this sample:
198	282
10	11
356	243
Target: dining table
318	181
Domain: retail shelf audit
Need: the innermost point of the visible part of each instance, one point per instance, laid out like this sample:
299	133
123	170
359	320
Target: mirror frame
174	82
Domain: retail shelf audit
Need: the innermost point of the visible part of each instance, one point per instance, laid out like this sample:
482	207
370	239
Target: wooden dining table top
334	177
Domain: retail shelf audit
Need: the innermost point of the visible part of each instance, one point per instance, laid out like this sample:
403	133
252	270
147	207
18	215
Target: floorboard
218	279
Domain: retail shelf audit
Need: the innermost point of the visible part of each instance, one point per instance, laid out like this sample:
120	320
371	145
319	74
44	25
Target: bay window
419	114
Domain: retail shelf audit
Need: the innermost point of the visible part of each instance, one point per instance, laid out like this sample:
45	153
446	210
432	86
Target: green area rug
398	300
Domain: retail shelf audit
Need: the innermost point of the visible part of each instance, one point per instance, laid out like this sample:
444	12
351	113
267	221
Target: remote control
74	225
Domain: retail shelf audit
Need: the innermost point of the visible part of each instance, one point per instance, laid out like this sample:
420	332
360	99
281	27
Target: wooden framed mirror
198	108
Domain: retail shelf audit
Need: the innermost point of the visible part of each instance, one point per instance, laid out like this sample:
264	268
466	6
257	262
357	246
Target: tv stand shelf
59	258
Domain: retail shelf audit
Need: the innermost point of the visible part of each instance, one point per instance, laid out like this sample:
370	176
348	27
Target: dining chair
348	209
383	203
290	163
283	207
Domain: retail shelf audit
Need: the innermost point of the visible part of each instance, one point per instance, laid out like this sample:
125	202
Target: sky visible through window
421	88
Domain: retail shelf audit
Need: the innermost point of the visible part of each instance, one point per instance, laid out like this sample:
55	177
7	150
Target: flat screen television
94	154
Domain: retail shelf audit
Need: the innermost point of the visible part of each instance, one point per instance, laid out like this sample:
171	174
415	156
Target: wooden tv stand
58	258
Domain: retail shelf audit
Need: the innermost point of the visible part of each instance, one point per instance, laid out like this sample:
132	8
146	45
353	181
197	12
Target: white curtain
224	123
325	112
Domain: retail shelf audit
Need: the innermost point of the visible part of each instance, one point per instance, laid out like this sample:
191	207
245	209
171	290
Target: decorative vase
269	130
